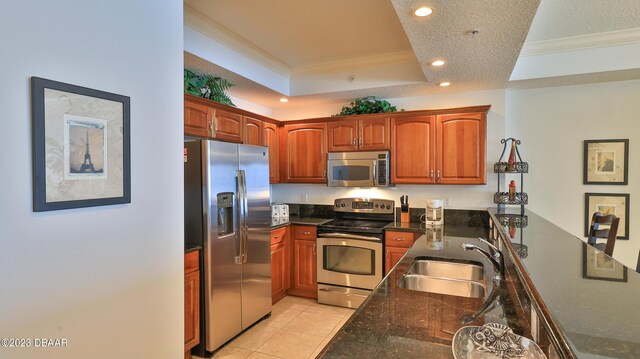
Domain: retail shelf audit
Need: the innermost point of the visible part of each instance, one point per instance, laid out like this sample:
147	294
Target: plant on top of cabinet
207	86
367	104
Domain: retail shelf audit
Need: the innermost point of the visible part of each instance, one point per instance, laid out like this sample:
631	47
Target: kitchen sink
447	270
457	287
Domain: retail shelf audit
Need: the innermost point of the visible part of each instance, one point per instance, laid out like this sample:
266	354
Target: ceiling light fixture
423	11
284	100
444	84
437	63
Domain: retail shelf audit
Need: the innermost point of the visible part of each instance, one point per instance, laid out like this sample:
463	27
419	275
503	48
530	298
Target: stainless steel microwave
358	169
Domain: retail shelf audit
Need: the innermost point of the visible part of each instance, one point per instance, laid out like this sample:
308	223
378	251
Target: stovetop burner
354	226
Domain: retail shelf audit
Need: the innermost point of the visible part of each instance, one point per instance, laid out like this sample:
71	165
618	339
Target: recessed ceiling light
444	84
423	11
284	100
437	63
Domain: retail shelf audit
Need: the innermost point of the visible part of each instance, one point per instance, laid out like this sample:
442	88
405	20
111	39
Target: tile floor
297	328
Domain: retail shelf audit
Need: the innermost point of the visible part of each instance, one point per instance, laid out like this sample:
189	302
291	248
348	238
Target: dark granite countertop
189	248
406	227
592	298
395	322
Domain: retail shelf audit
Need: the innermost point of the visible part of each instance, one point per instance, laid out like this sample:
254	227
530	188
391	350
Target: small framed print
608	203
606	162
599	266
80	146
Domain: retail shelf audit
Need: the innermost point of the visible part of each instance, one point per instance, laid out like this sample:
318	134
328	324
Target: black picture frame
590	259
589	171
589	210
58	112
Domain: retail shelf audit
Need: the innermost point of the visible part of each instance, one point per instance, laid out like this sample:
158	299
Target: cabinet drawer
191	262
399	239
304	232
277	235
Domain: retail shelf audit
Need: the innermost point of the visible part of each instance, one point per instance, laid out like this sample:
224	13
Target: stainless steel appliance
358	169
228	213
350	250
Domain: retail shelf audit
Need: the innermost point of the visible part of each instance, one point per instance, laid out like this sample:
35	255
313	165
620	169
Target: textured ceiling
565	18
477	61
307	32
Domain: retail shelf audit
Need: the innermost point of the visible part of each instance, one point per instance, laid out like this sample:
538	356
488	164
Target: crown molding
391	58
582	42
222	34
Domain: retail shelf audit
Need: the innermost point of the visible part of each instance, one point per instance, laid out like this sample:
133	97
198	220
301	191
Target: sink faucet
496	258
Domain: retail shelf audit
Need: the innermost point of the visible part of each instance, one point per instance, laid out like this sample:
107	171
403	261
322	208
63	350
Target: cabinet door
446	320
374	134
392	256
191	310
278	275
305	153
227	126
412	146
252	131
197	119
270	139
460	148
304	269
343	135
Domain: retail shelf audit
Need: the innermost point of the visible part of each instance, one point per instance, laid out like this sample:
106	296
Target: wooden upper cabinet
343	135
370	134
197	119
227	126
374	134
460	148
252	131
305	153
412	149
270	139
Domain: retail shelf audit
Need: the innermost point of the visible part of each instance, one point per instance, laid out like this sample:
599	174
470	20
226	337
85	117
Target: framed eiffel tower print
81	146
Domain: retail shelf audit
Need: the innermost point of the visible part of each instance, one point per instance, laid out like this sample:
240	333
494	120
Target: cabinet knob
314	248
354	142
306	232
399	239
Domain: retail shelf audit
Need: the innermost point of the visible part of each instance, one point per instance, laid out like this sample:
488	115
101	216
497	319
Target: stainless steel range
350	250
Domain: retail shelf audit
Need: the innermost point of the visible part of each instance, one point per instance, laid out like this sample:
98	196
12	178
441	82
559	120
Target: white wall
465	196
108	279
552	124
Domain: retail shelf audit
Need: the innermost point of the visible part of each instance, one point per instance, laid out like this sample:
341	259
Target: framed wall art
80	146
606	162
599	266
608	203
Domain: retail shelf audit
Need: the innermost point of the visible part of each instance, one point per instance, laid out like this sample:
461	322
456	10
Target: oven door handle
348	236
342	291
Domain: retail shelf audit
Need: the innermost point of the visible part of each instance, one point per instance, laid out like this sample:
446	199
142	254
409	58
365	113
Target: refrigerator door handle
238	209
245	215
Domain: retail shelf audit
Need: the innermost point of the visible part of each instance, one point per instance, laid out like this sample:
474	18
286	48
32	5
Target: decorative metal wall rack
502	198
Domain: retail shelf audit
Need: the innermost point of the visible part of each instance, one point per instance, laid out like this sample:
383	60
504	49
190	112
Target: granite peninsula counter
547	295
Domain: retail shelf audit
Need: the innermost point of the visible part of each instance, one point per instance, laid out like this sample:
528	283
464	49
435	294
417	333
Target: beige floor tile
291	345
258	355
229	352
319	348
338	326
281	317
254	337
314	324
323	309
293	303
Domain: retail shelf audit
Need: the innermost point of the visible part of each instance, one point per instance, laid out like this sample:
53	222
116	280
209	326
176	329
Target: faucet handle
489	244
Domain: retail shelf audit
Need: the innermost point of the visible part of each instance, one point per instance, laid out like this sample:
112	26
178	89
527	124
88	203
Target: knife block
405	217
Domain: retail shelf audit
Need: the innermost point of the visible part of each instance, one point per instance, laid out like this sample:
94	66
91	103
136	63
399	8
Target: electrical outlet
304	197
447	201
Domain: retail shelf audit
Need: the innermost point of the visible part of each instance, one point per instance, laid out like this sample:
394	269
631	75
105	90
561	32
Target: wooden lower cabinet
396	245
191	302
304	271
280	264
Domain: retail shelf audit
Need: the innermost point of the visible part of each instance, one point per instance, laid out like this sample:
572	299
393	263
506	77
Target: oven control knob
376	205
337	204
342	205
388	206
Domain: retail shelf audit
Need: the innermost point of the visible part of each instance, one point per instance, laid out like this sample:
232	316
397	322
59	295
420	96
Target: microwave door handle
374	173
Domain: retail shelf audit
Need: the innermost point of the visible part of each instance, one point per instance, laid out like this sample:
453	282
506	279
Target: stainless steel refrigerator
228	213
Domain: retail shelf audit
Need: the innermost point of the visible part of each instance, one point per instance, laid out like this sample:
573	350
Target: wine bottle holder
515	220
518	167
